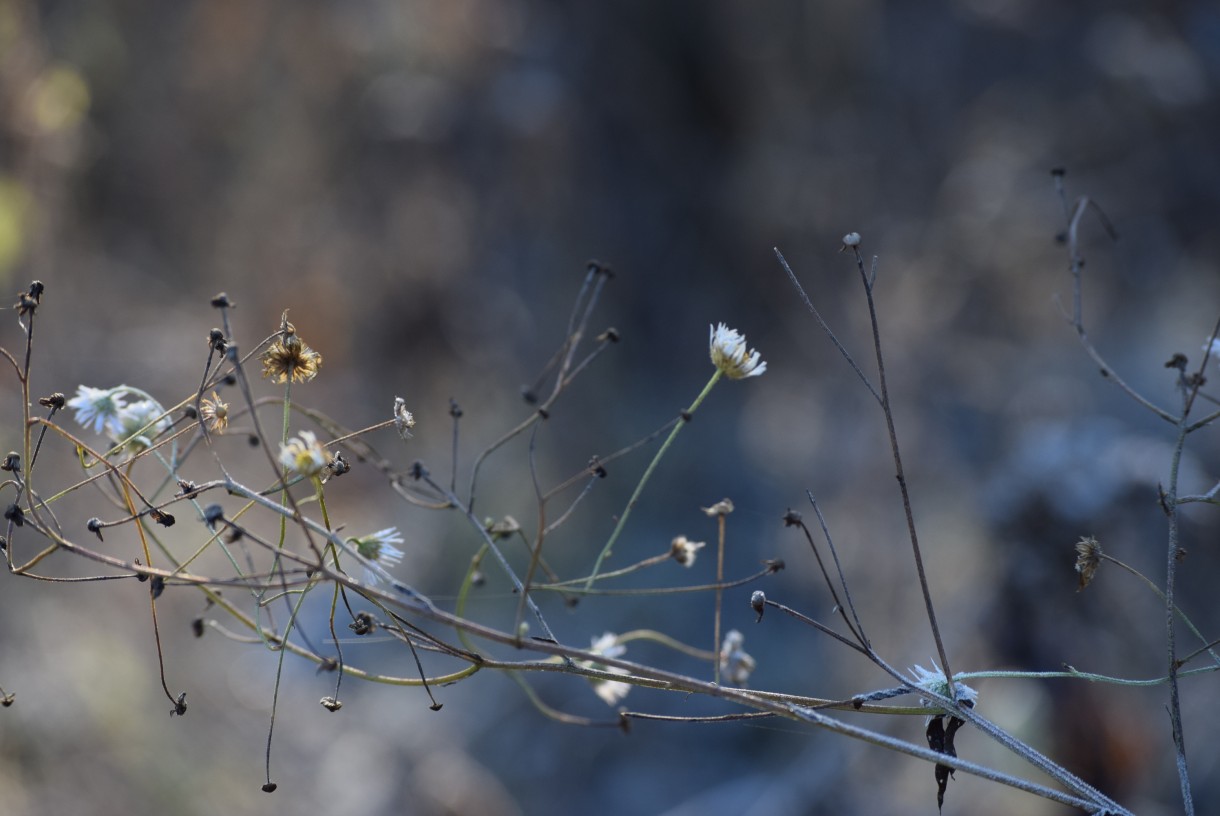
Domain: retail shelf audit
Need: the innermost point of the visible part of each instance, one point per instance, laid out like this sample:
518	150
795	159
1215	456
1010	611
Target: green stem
639	488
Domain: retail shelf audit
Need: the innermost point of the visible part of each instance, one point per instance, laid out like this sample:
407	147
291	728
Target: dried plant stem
652	466
716	645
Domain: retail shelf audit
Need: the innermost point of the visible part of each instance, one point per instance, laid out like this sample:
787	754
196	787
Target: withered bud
269	787
792	518
363	623
221	301
179	705
197	627
338	466
56	401
161	517
455	410
1178	361
157	586
94	525
15	514
212	514
758	601
216	341
12	462
1088	559
596	467
330	704
610	335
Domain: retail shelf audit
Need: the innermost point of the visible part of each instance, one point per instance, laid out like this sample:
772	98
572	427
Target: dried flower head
728	350
215	413
735	665
403	420
379	551
304	455
1088	559
288	358
683	550
504	528
936	683
611	691
720	508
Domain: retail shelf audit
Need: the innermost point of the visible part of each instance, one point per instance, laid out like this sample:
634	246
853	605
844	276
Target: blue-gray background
421	184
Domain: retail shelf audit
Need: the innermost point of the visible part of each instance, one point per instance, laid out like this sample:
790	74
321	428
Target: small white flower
611	691
96	406
936	682
1213	348
728	350
139	423
304	454
378	548
735	665
683	550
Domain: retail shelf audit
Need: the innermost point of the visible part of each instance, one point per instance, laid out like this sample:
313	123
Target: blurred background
421	185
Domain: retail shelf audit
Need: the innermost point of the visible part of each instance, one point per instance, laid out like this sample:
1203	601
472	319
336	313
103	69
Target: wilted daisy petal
729	354
96	406
304	454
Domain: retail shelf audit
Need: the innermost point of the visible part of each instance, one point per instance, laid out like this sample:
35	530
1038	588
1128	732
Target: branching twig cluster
258	549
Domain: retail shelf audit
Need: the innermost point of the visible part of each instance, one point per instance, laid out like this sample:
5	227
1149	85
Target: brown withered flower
215	413
288	358
1088	559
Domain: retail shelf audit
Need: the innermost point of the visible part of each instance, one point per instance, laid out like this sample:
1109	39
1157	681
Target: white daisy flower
96	406
378	548
728	351
304	454
139	423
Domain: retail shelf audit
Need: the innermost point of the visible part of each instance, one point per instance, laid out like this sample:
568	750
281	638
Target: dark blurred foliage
420	183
